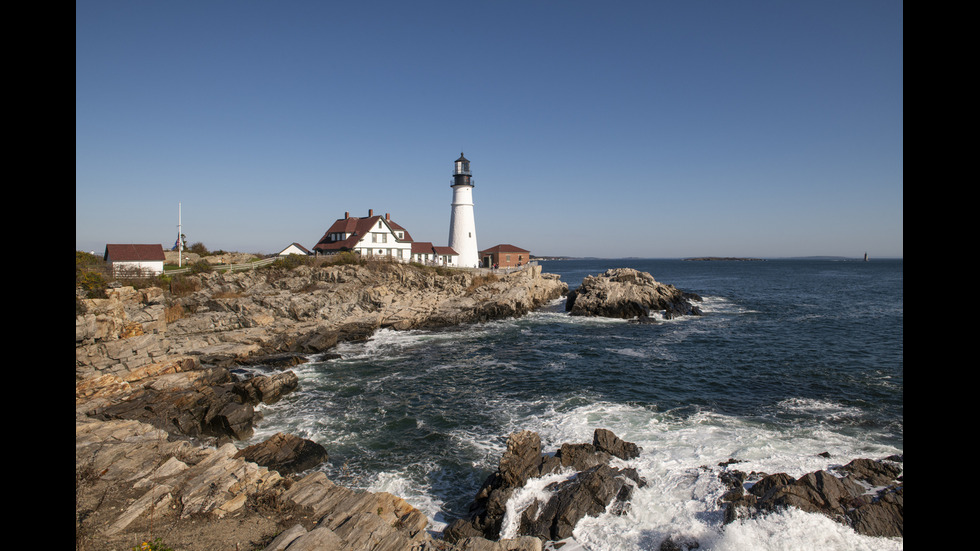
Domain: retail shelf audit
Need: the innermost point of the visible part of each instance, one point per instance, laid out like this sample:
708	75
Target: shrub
201	267
347	257
182	286
94	284
291	261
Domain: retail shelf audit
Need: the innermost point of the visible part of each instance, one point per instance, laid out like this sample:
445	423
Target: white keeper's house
378	236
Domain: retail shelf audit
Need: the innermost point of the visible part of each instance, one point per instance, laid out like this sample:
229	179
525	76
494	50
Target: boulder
267	389
285	453
589	493
627	293
605	440
591	487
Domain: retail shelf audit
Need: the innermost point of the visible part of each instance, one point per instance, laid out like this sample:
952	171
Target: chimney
370	213
346	215
387	217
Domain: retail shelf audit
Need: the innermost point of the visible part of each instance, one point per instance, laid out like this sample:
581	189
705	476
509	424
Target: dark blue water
790	359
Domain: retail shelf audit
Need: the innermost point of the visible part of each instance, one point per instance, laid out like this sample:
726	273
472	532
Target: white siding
150	267
462	227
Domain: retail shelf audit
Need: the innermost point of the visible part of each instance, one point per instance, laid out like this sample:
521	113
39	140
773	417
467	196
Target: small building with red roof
424	252
505	256
135	259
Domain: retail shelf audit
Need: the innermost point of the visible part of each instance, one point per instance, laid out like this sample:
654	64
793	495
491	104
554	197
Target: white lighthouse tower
462	225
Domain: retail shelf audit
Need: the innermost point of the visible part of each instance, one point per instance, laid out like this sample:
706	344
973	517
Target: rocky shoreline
158	408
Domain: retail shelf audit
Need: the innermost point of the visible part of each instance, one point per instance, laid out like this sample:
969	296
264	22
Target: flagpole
180	245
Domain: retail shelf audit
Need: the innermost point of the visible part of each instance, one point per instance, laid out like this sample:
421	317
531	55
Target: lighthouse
462	224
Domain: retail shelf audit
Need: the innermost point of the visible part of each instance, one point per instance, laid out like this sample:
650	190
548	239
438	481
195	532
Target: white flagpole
180	244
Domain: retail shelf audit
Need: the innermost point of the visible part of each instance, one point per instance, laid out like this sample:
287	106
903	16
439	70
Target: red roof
426	247
504	248
358	228
422	247
133	253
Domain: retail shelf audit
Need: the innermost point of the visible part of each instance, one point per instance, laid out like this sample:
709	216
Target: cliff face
303	310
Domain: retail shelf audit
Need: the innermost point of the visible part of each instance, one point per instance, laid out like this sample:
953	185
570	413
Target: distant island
533	257
724	258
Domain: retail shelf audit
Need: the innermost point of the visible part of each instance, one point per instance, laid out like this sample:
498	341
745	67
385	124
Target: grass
481	280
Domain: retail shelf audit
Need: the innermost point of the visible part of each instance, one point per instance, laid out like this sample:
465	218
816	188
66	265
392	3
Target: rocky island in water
158	411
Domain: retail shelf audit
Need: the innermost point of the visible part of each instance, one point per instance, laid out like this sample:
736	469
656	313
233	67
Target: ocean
791	359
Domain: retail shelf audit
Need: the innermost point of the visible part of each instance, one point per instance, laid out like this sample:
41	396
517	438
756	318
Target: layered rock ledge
227	318
627	293
157	404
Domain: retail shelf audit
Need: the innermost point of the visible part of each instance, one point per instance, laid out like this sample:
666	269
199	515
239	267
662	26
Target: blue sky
657	129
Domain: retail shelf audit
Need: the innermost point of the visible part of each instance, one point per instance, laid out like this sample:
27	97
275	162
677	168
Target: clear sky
651	128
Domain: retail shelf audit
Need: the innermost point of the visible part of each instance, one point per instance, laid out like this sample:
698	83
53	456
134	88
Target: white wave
722	305
819	408
631	352
680	463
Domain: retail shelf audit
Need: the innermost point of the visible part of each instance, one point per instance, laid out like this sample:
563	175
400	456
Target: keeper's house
136	260
505	256
380	237
374	236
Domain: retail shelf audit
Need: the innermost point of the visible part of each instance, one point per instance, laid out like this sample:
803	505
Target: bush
201	267
291	261
91	274
347	257
183	286
93	283
199	249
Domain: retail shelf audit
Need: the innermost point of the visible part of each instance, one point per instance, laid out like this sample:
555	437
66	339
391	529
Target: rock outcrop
132	479
627	293
589	487
184	398
865	494
226	318
285	453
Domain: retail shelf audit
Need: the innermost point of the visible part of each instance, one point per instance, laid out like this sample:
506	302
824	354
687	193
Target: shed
135	259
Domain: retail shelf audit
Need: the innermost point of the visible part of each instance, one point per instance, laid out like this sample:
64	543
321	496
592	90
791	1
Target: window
379	237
